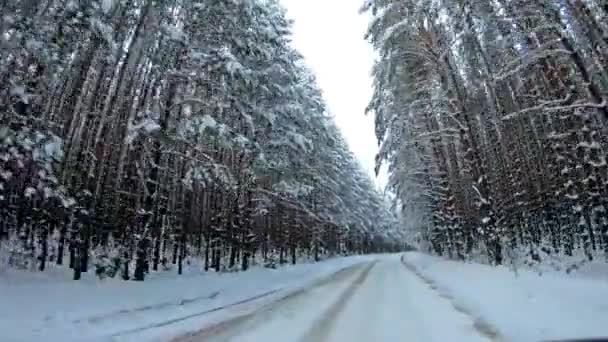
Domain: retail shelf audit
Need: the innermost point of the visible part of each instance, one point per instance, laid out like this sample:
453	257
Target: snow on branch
526	61
556	106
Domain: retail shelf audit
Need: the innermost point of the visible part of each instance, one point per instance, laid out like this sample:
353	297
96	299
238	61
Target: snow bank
522	306
57	310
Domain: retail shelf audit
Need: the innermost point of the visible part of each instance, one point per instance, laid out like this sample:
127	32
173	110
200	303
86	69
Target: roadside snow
57	310
523	306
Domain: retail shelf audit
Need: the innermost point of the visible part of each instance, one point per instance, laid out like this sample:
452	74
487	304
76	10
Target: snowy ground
522	306
411	297
47	306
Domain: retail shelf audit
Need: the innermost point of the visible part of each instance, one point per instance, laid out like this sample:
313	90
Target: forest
491	117
136	135
139	135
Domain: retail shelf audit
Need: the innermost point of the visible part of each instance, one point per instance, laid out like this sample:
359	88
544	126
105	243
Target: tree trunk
217	261
140	259
125	270
175	250
44	247
207	247
61	242
72	248
182	252
77	263
233	251
245	261
84	250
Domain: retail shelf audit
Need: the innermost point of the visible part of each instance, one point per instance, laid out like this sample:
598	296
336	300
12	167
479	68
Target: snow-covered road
377	301
366	298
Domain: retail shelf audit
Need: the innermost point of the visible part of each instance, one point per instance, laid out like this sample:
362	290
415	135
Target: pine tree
490	116
136	134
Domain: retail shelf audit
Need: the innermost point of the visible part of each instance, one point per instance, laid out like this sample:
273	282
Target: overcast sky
329	33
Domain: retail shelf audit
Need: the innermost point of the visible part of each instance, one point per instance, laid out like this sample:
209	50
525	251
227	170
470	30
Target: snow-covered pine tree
137	134
491	117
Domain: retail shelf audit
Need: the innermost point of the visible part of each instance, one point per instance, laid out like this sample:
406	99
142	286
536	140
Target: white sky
330	35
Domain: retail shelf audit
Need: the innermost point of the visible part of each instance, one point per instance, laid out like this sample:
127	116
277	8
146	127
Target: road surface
378	301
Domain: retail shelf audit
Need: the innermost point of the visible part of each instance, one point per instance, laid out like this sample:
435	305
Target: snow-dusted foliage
491	116
135	134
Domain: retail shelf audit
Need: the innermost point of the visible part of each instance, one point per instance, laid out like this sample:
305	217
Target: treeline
137	133
492	119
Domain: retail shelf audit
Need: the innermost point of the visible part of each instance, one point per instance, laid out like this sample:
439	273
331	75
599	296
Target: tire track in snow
480	325
198	314
322	327
228	329
160	306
